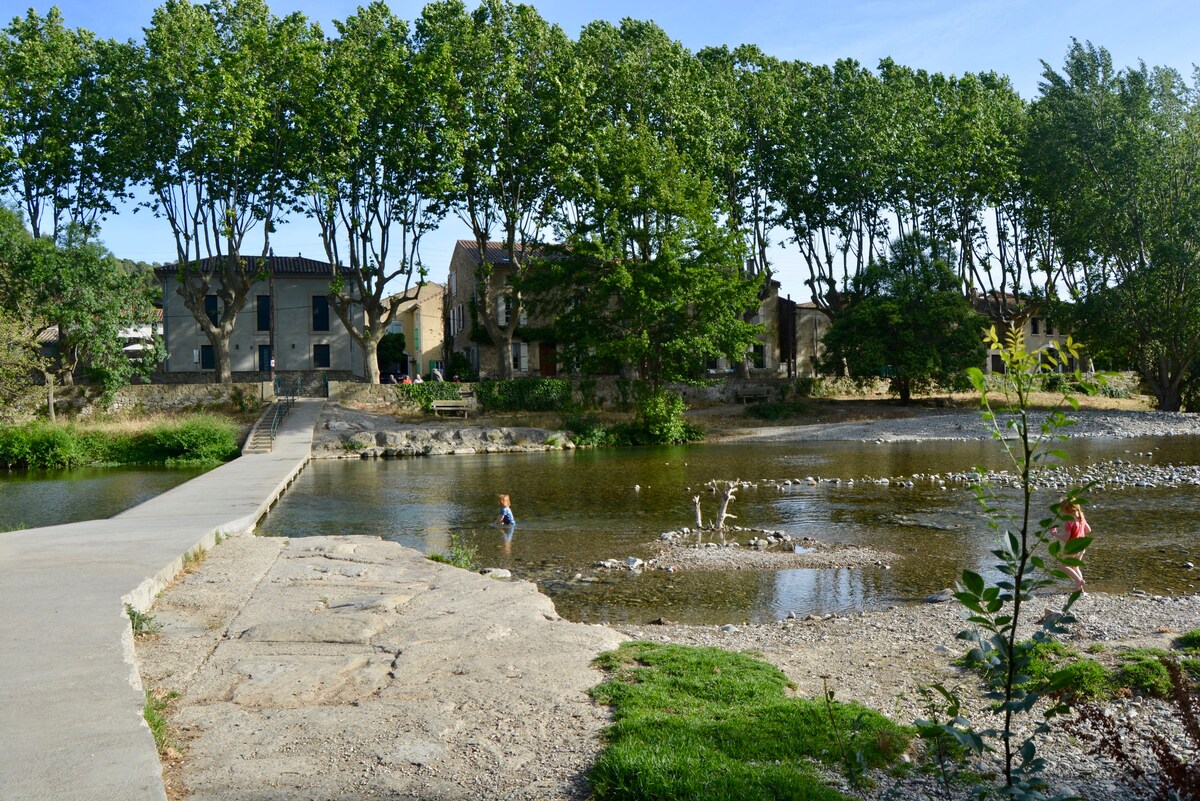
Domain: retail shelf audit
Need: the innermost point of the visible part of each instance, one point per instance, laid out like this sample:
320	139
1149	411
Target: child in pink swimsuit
1076	527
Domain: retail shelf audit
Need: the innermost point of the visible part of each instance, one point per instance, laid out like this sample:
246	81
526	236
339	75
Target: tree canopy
907	321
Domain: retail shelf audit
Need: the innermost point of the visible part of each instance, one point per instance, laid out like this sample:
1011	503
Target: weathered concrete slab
71	696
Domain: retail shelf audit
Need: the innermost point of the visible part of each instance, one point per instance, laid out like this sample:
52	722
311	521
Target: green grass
194	439
154	711
704	723
142	623
1142	671
1189	641
461	554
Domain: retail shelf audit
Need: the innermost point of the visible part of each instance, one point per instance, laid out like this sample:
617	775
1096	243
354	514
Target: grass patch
706	723
1142	671
1189	641
461	554
154	711
144	625
194	439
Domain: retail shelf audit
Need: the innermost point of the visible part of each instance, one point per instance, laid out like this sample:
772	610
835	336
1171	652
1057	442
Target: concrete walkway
71	698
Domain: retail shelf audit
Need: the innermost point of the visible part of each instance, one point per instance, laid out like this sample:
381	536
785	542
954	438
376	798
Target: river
576	508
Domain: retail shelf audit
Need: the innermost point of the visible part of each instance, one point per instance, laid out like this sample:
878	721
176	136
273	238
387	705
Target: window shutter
502	311
524	356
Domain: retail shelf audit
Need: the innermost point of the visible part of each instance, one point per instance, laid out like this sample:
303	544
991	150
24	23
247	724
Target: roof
293	266
418	294
496	252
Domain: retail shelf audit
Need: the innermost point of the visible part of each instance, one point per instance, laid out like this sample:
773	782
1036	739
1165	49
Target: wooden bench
752	395
451	407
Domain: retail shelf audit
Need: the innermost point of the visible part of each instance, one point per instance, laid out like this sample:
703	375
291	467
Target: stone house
287	317
1040	332
420	318
464	334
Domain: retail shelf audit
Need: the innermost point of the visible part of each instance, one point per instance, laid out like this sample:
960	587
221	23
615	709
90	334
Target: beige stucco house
287	317
420	318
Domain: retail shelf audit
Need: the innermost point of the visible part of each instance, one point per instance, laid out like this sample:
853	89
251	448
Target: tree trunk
905	390
50	398
370	347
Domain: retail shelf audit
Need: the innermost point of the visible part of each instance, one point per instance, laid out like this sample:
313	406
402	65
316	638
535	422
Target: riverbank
324	666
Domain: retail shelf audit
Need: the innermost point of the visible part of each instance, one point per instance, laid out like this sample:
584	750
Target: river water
576	508
34	498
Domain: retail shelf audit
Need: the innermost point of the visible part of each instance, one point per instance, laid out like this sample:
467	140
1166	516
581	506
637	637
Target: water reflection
34	498
579	508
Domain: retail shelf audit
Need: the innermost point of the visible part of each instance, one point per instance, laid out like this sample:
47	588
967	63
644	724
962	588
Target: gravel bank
965	425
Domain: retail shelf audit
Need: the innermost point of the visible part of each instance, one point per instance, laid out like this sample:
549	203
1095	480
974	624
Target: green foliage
1112	159
524	394
459	368
425	393
1142	671
199	439
906	320
588	431
811	387
1189	640
1010	665
706	723
143	624
390	350
461	554
154	712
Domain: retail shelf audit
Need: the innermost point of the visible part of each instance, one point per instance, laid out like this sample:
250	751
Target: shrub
41	444
588	431
659	420
426	393
202	438
461	554
524	395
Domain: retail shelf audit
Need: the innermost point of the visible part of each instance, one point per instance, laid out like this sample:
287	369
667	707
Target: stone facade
290	309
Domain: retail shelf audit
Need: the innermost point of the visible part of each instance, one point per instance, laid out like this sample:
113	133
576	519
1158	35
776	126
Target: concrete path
71	699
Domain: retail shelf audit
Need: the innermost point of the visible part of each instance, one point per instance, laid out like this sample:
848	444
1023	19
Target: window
264	358
1049	329
462	317
320	356
520	356
758	356
503	310
208	359
1033	325
320	313
997	363
453	284
212	309
262	320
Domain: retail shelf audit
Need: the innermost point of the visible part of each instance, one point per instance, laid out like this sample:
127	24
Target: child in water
505	518
1075	527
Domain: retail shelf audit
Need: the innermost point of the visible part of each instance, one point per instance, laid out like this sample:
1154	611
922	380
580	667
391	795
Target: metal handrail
284	405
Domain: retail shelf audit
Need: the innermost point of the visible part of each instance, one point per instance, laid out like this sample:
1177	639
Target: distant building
291	309
420	318
1040	333
465	335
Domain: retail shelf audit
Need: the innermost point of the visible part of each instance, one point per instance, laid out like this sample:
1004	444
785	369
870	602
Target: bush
46	445
426	393
202	438
588	431
525	395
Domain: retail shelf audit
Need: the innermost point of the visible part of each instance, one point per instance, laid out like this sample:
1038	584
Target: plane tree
207	126
1114	157
381	159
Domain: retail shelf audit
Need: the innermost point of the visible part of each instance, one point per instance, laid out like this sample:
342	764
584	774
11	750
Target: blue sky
1007	36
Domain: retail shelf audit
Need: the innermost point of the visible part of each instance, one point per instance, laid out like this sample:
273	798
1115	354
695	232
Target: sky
1011	37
